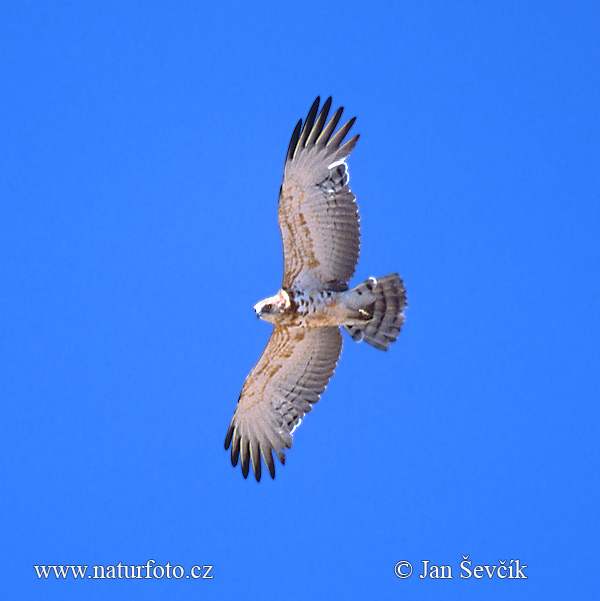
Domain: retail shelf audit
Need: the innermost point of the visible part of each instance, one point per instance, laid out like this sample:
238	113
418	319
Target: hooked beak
258	310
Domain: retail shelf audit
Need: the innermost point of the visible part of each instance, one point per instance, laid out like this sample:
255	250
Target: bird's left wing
318	216
291	374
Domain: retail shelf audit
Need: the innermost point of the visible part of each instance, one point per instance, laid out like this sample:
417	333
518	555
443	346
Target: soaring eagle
318	218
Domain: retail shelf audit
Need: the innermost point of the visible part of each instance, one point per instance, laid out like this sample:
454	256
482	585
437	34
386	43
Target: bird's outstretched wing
291	374
317	213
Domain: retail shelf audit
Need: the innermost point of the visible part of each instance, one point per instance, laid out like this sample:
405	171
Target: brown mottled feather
291	374
318	216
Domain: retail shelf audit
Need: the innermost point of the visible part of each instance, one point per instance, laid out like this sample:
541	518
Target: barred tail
382	303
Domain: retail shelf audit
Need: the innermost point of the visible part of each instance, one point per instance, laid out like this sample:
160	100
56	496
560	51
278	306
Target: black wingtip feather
317	128
308	123
339	136
255	457
228	437
350	144
294	141
235	451
329	128
268	457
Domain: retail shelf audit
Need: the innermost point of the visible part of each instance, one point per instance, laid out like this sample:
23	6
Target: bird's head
273	307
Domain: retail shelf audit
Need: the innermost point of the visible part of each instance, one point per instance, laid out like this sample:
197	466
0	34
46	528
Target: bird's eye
267	308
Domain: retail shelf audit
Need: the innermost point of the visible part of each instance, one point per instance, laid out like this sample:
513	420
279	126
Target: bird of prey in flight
318	218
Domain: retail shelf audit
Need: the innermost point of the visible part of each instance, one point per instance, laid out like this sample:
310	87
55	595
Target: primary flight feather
319	223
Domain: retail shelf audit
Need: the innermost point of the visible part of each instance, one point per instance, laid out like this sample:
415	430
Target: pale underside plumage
319	224
291	374
318	216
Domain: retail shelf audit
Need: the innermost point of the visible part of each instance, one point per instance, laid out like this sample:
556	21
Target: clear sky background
142	147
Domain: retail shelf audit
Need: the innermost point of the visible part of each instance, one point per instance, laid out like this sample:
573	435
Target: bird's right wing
290	376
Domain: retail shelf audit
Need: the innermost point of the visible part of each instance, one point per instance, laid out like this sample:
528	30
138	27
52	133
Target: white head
273	307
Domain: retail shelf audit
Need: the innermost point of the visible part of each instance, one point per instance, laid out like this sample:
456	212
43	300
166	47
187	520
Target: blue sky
142	153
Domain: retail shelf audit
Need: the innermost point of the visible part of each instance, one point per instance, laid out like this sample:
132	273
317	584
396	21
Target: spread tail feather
382	303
